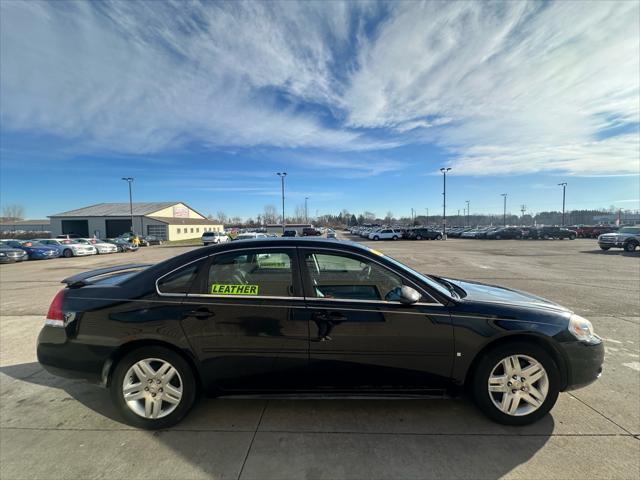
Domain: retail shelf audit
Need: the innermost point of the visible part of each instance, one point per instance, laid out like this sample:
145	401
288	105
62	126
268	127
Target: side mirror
404	294
408	295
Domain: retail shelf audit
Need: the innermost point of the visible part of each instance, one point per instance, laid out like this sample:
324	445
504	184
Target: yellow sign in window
231	289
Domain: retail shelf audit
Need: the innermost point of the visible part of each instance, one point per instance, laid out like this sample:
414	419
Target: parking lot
56	428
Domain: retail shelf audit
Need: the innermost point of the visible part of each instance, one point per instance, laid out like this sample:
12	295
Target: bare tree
369	216
13	212
222	217
270	214
300	214
388	217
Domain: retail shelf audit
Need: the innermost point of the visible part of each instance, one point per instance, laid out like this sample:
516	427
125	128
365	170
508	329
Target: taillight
55	317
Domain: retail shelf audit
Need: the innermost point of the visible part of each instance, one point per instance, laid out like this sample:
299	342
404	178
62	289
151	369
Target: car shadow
613	252
447	435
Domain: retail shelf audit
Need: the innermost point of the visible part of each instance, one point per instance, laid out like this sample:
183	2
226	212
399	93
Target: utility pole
306	212
564	191
504	212
282	175
523	208
444	201
467	202
129	180
427	217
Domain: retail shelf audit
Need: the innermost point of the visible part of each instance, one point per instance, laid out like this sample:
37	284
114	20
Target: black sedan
425	234
310	316
504	233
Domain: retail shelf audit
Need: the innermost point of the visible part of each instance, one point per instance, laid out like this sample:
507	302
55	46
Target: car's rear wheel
516	384
418	237
153	387
631	246
439	237
67	253
376	238
395	237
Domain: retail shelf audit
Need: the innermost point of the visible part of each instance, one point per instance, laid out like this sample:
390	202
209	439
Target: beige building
166	220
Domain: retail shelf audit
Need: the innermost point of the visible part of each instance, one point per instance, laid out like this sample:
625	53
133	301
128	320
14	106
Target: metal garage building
166	220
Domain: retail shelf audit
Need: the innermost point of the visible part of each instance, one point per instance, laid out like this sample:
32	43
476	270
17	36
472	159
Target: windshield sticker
230	289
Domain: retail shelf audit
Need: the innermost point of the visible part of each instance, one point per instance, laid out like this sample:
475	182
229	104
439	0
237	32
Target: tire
572	237
67	253
605	248
395	237
183	379
418	237
498	237
630	246
490	363
439	237
376	238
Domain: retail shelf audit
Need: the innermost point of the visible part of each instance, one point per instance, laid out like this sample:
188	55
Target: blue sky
360	102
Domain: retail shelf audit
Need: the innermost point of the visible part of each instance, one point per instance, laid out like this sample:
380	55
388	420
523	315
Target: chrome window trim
266	297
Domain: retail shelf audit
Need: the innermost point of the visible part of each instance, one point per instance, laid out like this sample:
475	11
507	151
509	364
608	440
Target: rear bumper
585	363
66	358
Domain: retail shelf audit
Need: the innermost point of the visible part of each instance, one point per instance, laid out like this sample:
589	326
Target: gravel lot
55	428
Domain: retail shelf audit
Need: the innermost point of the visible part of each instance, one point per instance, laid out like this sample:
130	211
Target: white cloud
523	87
505	87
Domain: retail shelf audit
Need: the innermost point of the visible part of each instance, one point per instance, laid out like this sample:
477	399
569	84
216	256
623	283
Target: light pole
564	191
504	211
444	201
129	180
467	202
306	212
282	175
427	217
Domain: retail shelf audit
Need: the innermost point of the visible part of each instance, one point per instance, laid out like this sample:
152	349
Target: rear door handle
200	313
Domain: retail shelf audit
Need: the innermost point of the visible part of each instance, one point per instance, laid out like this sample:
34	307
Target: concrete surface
54	428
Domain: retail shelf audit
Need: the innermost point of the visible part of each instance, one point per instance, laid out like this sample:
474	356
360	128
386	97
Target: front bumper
585	363
610	243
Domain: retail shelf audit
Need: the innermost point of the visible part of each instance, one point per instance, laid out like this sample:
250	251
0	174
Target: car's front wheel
516	384
605	248
153	387
631	246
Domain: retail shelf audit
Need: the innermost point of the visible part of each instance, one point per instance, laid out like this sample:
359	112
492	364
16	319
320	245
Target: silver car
100	246
67	247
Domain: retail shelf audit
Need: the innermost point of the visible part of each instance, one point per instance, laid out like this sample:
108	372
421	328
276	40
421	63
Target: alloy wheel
152	388
518	385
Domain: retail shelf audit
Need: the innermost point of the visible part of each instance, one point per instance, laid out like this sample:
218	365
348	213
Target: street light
467	202
444	201
282	175
306	214
564	191
504	212
129	180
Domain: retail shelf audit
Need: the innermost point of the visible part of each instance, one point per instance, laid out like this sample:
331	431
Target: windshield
429	281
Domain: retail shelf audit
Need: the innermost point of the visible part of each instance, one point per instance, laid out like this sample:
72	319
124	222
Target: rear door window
180	280
255	273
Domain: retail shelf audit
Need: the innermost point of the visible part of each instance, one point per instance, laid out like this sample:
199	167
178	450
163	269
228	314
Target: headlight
2	254
582	329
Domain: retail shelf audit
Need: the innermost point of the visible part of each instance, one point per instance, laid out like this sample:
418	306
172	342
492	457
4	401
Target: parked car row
513	233
14	250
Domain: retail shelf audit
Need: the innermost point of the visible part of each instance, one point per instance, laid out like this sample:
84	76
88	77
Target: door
245	318
362	337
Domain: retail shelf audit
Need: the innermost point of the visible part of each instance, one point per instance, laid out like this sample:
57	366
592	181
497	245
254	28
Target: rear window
180	280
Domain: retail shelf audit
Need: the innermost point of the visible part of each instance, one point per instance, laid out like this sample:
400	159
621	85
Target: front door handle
200	313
